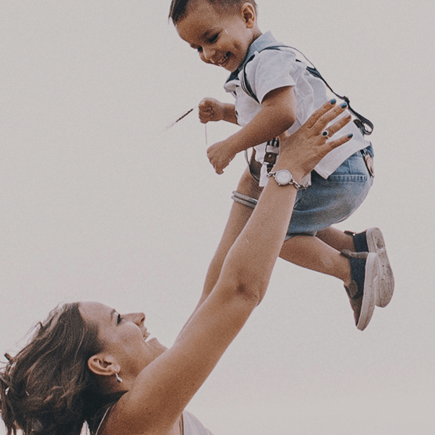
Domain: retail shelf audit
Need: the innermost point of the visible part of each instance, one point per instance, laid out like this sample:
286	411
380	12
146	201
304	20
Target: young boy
275	95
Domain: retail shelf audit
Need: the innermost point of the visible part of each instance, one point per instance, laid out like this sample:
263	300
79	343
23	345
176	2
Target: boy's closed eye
213	38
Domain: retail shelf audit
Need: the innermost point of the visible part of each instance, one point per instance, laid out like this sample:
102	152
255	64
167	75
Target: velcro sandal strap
353	291
356	287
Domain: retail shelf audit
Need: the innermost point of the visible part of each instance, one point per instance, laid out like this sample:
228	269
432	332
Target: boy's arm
277	115
230	113
213	110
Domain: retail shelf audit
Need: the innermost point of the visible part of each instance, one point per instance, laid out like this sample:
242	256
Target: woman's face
124	337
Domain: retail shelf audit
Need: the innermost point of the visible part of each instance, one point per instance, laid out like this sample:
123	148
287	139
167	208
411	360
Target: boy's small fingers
204	107
203	110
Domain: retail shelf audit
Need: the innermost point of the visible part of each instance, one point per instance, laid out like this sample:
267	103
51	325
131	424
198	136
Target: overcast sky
97	204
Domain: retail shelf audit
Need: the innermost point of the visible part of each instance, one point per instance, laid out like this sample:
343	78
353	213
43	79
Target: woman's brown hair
47	388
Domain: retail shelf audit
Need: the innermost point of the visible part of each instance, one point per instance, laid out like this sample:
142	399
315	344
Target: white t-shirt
273	69
192	426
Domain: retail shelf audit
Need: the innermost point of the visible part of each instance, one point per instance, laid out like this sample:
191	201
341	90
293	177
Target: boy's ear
249	15
102	365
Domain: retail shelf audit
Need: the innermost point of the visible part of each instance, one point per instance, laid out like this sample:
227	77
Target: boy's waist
267	154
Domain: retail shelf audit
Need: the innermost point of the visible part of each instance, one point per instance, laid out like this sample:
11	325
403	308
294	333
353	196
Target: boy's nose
207	54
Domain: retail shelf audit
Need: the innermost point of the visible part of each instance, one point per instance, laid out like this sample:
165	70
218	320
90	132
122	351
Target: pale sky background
95	204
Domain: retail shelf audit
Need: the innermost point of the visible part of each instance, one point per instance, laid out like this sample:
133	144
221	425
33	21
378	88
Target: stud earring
118	378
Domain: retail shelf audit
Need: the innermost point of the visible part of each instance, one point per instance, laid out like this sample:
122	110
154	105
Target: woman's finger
330	145
321	111
339	124
328	116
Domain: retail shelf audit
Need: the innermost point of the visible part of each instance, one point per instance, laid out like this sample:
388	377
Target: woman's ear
103	365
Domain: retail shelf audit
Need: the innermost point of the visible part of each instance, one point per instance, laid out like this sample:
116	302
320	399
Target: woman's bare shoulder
115	423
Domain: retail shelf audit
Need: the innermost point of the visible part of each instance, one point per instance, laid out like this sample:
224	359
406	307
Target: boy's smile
221	39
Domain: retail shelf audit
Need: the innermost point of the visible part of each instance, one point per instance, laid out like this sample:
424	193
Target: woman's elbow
252	290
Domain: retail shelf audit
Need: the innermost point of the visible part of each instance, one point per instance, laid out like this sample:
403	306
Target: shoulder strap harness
361	122
365	125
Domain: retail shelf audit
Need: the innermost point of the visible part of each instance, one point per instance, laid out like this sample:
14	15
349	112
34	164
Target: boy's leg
359	272
237	219
370	240
312	253
337	239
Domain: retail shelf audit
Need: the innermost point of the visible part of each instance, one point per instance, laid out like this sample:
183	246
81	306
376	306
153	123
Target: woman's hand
301	151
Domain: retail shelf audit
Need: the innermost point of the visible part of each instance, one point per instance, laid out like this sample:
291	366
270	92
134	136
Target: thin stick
183	116
178	120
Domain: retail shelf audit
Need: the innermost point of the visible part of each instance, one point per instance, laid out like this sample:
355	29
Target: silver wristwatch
284	177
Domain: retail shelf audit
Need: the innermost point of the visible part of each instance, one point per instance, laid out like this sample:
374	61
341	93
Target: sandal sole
371	283
376	243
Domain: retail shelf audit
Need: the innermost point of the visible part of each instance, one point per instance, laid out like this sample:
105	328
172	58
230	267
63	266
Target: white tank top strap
102	420
192	426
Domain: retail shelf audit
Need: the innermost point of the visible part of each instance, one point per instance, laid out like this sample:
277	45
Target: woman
88	363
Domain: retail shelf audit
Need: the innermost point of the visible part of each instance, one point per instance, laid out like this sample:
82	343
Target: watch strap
292	181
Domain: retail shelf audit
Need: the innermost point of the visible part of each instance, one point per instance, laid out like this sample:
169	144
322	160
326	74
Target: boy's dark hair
179	7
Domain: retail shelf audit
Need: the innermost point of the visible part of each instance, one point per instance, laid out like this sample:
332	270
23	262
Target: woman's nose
137	318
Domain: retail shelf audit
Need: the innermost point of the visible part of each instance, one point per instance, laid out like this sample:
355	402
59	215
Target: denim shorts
327	202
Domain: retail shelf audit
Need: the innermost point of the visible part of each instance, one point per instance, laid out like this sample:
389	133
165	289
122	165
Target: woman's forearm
251	259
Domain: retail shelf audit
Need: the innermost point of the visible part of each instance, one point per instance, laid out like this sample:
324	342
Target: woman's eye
119	319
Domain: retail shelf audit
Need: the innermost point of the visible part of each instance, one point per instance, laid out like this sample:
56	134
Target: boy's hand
220	155
210	110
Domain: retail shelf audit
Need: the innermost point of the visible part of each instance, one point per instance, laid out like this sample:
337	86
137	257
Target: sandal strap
353	291
356	287
359	240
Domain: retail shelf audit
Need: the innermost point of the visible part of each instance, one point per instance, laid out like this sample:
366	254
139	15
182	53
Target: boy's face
221	39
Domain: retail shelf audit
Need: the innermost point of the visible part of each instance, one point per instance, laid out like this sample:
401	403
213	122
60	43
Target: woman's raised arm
163	389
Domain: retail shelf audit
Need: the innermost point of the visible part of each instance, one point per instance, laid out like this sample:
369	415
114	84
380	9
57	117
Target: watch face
283	177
